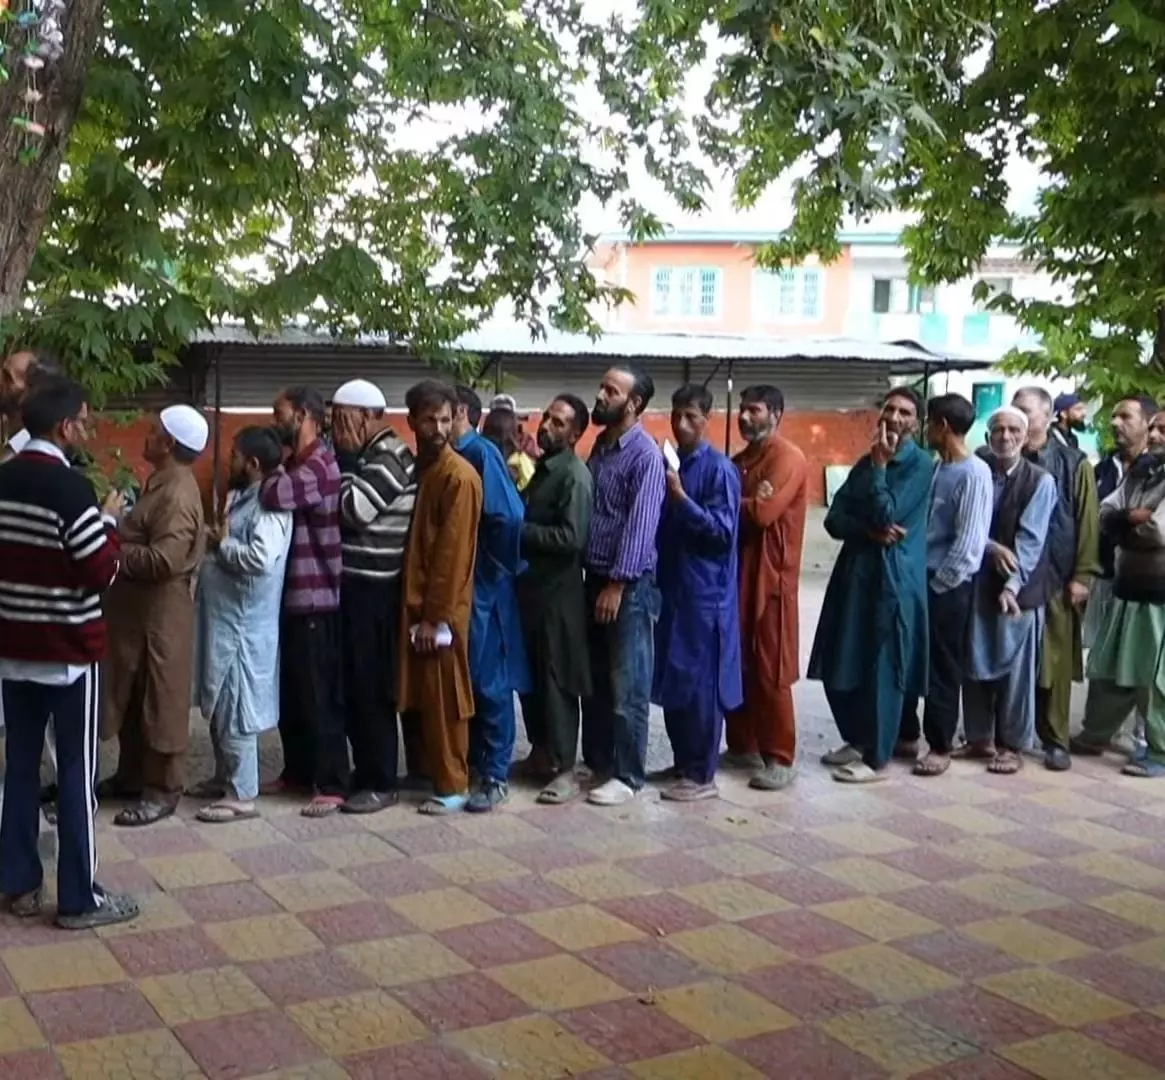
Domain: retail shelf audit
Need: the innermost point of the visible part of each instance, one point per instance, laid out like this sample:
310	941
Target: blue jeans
236	762
615	716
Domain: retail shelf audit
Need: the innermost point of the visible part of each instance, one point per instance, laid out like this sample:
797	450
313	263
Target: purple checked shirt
628	498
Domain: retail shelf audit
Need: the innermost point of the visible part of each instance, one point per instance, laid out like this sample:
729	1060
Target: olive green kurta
1062	655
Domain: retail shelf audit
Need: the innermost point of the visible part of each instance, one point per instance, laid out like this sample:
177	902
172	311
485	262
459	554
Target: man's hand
884	444
764	490
1008	603
675	486
425	639
1077	593
1003	558
114	504
888	537
609	601
1140	516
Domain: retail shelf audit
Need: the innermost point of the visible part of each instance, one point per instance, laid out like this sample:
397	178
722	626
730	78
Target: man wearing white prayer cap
377	493
150	615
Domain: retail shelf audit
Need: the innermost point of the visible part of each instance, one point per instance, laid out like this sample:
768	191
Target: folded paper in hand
444	635
670	456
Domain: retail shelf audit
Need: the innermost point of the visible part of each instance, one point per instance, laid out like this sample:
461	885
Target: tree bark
28	187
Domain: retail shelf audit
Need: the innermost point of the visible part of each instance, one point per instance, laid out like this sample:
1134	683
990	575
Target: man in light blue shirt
961	500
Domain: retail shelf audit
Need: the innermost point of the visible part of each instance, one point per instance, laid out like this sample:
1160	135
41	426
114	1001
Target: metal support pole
728	415
214	483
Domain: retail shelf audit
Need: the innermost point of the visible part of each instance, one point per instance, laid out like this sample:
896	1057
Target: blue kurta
697	639
871	648
497	649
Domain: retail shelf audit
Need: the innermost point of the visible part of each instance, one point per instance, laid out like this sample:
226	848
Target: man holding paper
437	592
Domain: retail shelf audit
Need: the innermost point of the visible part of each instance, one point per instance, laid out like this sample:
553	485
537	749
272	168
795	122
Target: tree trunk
1159	340
28	187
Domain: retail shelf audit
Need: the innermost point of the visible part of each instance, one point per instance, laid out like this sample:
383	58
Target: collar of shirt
308	451
695	453
553	462
605	445
466	439
43	446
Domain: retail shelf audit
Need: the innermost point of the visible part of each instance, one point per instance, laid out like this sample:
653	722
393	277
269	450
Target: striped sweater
57	558
309	488
376	508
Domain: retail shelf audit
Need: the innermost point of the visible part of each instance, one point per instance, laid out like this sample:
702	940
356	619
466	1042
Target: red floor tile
685	832
806	814
247	1045
805	1053
1065	881
805	933
369	920
1091	925
1125	980
92	1013
808	991
946	906
461	1001
542	856
922	830
962	957
6	987
127	876
801	848
628	1031
271	860
517	896
672	869
805	887
929	864
1135	823
983	1067
1044	844
1140	1035
501	941
24	933
434	839
221	903
397	878
1024	812
165	840
298	828
659	913
979	1017
1152	854
415	1061
31	1065
165	952
642	965
294	979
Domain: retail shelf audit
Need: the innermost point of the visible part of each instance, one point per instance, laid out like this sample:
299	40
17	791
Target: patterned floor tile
520	896
442	909
659	913
594	882
400	960
805	1053
18	1028
1027	940
1007	893
975	1016
429	838
202	995
1118	869
897	1041
241	836
959	955
413	1061
369	920
500	831
265	937
1045	844
703	1063
1069	1055
92	1013
1140	1036
399	878
1063	1000
150	1055
929	864
30	1065
801	848
973	820
1120	977
473	866
221	903
461	1001
1096	835
887	973
542	855
877	918
727	949
863	839
733	899
64	966
981	1067
992	853
921	830
500	941
1134	907
271	860
301	978
312	891
197	868
946	906
1095	928
247	1045
164	952
672	869
530	1048
721	1011
1064	880
169	839
641	966
557	982
158	911
805	933
740	859
808	991
357	1022
582	926
627	1031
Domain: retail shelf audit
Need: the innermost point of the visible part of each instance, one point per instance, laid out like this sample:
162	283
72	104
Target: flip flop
842	756
142	814
931	766
322	806
561	790
1145	768
1005	763
223	814
442	805
858	773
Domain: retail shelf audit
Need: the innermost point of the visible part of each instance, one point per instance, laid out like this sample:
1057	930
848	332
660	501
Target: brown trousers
765	724
160	777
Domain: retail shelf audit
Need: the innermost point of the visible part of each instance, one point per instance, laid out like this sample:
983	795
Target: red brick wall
827	438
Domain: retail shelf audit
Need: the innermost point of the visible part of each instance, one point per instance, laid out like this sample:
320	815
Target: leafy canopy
918	105
380	166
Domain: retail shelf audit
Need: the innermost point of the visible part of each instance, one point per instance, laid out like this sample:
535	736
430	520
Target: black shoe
369	802
1057	759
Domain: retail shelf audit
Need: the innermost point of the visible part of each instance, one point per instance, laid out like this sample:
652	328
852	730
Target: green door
986	397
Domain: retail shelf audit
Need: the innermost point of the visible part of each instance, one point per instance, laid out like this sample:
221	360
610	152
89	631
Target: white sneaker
612	793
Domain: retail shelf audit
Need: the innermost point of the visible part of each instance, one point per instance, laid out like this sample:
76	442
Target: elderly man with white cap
150	611
377	492
1011	589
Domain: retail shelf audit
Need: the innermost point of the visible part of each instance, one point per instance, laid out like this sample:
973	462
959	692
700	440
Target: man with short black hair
57	559
552	599
20	372
627	471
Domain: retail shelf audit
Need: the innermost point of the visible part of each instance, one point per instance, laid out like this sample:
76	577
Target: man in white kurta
236	661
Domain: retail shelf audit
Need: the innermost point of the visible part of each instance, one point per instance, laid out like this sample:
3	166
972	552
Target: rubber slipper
843	755
322	806
858	773
440	805
142	814
1005	763
222	814
931	766
562	789
1146	768
369	802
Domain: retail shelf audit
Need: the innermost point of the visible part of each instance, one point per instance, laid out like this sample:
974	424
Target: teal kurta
871	647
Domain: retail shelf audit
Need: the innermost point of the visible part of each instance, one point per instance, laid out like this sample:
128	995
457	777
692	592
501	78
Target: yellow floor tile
149	1055
862	838
197	868
498	830
18	1030
901	1044
1007	893
1130	873
1029	941
869	875
1096	834
401	960
317	1070
619	845
312	891
703	1063
160	911
1072	804
580	927
886	973
877	918
263	937
733	900
1061	999
1134	907
972	819
67	966
241	836
1068	1055
741	859
530	1048
741	824
474	865
996	855
727	949
600	881
965	788
1151	952
442	909
356	849
556	982
202	995
349	1025
720	1011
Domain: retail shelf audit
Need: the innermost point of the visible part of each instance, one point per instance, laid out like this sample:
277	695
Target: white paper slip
444	635
670	456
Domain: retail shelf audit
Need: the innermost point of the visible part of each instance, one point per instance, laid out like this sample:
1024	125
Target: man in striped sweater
311	707
377	493
58	555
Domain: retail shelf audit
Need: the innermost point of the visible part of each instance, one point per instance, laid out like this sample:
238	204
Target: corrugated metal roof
903	357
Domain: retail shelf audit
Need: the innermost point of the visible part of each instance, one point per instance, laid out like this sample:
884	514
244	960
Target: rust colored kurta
150	612
772	531
438	588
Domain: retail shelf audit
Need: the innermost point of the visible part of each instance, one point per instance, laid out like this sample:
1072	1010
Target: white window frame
915	299
770	286
667	304
993	282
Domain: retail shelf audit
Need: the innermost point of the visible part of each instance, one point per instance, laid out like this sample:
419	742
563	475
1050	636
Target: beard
754	432
238	481
548	444
611	413
288	434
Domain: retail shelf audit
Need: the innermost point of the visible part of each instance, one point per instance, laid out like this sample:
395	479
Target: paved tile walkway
975	927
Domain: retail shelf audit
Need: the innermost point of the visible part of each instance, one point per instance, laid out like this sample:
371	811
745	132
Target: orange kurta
437	587
772	532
